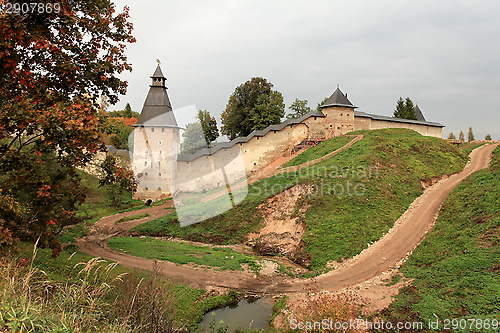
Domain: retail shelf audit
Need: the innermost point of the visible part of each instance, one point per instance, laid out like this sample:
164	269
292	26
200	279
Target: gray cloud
443	54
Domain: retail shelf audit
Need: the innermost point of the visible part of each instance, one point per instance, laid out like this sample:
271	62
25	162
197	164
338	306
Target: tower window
159	188
163	129
159	173
152	129
159	142
146	163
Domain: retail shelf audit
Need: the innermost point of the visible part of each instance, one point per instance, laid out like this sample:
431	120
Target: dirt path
389	252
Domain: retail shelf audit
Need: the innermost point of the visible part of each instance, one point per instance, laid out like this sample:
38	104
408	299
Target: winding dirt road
388	252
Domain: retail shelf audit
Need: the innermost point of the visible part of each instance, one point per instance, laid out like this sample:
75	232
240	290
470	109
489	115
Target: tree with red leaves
54	65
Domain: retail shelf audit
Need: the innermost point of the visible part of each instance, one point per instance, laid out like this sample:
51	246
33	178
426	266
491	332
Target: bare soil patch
284	227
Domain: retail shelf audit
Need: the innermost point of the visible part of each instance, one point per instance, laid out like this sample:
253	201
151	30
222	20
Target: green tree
268	110
298	108
194	139
252	106
451	136
209	126
487	137
116	179
53	68
470	135
461	136
405	109
318	107
127	112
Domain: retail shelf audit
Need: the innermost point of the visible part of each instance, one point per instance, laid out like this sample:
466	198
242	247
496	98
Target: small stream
248	313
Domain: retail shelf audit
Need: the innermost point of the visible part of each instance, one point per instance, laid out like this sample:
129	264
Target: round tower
156	141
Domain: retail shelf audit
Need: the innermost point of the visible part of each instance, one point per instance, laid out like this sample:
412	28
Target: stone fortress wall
200	174
163	171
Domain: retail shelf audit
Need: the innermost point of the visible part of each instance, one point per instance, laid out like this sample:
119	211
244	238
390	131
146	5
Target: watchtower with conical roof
339	114
156	143
418	113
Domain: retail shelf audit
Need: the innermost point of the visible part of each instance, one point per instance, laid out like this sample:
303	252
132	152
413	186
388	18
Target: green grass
319	150
184	253
98	204
133	217
456	268
341	224
359	193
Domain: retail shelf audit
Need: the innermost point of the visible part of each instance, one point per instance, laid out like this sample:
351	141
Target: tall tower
339	113
156	143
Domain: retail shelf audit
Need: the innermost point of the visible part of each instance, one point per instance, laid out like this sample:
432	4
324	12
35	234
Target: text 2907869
17	8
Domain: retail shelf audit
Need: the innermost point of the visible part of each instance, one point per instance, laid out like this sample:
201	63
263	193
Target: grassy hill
358	194
456	268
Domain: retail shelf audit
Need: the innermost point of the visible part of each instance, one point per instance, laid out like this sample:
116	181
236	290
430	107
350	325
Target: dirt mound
429	182
284	226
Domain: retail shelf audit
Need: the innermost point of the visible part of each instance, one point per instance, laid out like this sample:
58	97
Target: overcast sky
444	55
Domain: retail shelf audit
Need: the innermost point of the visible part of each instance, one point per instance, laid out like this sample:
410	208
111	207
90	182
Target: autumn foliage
53	67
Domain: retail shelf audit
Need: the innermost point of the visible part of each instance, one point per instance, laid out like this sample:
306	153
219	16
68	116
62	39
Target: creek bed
248	313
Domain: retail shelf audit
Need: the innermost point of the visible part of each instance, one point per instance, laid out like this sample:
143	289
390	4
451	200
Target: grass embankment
184	253
319	150
358	195
77	293
456	268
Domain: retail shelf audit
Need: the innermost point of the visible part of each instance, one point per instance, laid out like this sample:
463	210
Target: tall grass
100	300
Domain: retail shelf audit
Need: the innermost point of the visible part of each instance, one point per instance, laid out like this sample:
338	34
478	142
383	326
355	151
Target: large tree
53	67
194	139
298	108
405	109
209	126
254	105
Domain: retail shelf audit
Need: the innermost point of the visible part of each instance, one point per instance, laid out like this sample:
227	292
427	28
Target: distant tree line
470	136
